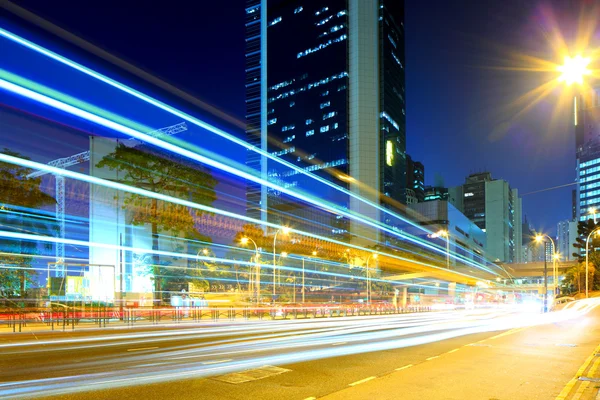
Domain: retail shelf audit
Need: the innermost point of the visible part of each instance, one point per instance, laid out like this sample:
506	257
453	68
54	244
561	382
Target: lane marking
432	358
453	351
215	362
405	367
569	386
580	390
143	348
514	330
310	398
362	381
339	344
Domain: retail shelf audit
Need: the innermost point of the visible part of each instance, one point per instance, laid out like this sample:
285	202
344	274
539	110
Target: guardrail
68	318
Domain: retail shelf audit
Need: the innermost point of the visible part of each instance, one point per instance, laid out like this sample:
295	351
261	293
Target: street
509	355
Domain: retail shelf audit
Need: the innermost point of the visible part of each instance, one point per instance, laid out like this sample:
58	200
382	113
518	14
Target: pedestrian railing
63	317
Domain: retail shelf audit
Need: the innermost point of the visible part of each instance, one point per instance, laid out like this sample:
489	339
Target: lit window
284	151
390	120
392	41
309	121
324	128
335	126
310	133
322	10
389	153
288	128
289	139
272	121
325	93
275	21
326	104
329	115
397	60
341	13
324	21
469	194
322	46
298	10
292	103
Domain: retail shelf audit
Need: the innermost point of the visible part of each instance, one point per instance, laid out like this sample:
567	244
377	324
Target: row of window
589	178
390	120
589	163
284	151
588	170
322	46
590	186
310	86
333	29
583	195
275	21
317	167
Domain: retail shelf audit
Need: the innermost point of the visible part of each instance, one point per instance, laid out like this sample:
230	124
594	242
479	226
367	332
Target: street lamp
285	230
592	211
251	286
573	70
587	265
539	238
444	233
374	256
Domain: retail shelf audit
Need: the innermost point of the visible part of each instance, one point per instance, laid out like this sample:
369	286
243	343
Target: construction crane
79	158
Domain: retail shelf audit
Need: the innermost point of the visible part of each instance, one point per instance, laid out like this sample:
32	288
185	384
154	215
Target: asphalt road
446	355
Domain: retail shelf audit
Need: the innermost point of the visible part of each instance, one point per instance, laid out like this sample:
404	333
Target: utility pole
545	281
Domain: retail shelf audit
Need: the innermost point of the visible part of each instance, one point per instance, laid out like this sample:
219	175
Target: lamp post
374	256
539	239
592	211
587	265
285	230
256	285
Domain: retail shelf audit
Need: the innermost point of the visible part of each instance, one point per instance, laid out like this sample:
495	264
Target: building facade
497	210
325	92
415	179
566	232
587	140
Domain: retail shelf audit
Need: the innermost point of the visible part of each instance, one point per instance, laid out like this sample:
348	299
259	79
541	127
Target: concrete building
497	210
325	92
587	140
466	238
415	179
566	235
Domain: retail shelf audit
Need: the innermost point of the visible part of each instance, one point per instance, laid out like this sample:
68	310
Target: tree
168	174
20	198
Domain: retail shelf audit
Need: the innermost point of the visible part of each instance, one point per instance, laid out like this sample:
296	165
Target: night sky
460	102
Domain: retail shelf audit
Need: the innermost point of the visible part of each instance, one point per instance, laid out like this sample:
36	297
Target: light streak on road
220	349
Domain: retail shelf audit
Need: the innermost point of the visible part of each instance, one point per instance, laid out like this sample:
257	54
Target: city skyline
434	124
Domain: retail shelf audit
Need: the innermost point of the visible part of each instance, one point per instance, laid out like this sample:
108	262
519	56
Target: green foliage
166	174
19	198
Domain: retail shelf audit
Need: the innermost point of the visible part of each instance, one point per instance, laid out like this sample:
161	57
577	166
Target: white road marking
143	348
339	344
405	367
310	398
432	358
215	362
453	351
362	381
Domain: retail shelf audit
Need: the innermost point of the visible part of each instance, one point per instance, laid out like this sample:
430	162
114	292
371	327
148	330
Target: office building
325	92
415	180
566	232
587	139
496	209
432	193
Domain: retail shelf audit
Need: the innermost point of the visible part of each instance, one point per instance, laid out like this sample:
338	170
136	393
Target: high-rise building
325	91
566	232
587	140
415	180
432	193
496	209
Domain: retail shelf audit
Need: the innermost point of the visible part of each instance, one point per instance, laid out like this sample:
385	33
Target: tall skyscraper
566	232
325	92
495	208
587	139
415	181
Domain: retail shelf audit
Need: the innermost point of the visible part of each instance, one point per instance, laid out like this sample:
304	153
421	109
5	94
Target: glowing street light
285	230
587	265
374	256
539	238
244	241
445	234
574	69
592	211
